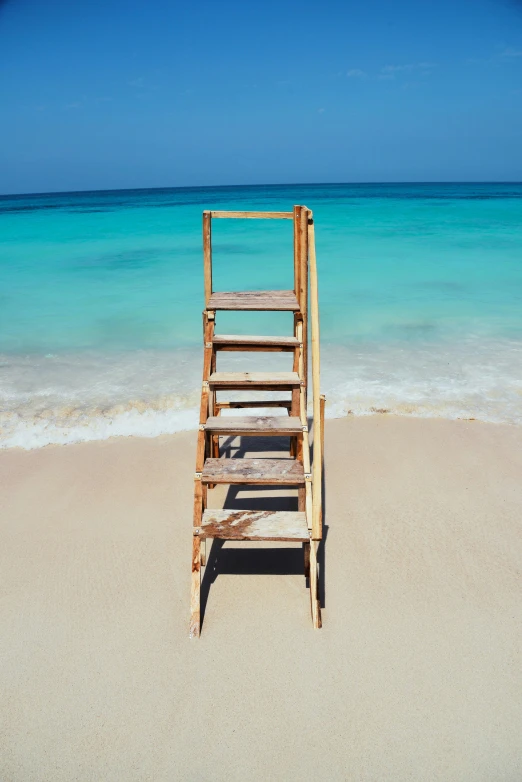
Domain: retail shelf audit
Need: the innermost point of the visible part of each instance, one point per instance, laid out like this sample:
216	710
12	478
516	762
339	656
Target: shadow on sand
241	560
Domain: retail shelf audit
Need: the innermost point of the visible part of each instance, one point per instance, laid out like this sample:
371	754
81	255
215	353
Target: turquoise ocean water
101	296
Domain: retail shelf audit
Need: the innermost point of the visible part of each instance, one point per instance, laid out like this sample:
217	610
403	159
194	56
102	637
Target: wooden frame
307	476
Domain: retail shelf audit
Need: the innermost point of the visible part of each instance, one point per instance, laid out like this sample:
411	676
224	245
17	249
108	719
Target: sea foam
85	397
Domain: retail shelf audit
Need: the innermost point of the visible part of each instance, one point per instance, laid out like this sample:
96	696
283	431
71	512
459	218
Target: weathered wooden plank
254	215
279	292
253	349
255	425
257	403
285	301
254	305
254	471
238	341
254	525
248	379
218	301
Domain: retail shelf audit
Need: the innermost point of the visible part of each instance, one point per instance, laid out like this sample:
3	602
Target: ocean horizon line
361	183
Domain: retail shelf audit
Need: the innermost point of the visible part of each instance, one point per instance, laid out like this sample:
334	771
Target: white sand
416	674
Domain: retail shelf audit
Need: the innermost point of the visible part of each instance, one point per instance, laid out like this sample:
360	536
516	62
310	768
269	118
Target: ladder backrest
299	217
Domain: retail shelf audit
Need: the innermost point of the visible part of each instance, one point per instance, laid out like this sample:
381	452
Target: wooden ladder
305	524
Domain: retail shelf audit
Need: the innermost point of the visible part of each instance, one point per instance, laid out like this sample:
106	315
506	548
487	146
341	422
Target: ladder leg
195	590
215	437
203	542
199	502
215	440
299	447
314	585
295	411
306	554
213	411
301	499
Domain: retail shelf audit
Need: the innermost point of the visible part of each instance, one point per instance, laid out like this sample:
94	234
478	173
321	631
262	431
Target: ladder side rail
297	251
323	405
303	450
207	254
303	292
200	491
318	406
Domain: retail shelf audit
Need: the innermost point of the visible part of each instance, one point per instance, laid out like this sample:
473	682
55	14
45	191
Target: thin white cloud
511	52
390	71
508	53
395	68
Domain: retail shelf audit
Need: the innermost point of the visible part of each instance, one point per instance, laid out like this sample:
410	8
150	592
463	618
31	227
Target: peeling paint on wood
255	525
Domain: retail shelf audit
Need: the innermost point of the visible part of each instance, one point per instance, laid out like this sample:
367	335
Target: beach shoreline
100	329
416	667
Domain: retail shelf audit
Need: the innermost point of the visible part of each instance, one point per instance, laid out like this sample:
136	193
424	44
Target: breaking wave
59	399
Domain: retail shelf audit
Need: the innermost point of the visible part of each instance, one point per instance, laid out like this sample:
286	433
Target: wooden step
252	404
254	300
240	342
255	425
254	525
254	471
250	379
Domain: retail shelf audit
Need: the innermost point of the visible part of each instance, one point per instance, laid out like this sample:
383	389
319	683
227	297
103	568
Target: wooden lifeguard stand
305	524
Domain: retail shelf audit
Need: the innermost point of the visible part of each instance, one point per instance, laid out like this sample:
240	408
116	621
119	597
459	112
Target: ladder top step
254	471
252	424
254	300
240	339
254	525
246	379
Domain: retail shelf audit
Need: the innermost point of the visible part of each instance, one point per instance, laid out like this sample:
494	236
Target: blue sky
117	94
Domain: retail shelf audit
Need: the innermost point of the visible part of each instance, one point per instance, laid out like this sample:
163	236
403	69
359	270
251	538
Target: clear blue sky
152	93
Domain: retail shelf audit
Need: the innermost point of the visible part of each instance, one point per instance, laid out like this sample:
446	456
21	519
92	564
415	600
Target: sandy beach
415	675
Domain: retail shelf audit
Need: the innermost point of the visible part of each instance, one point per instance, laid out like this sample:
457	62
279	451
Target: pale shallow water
101	299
